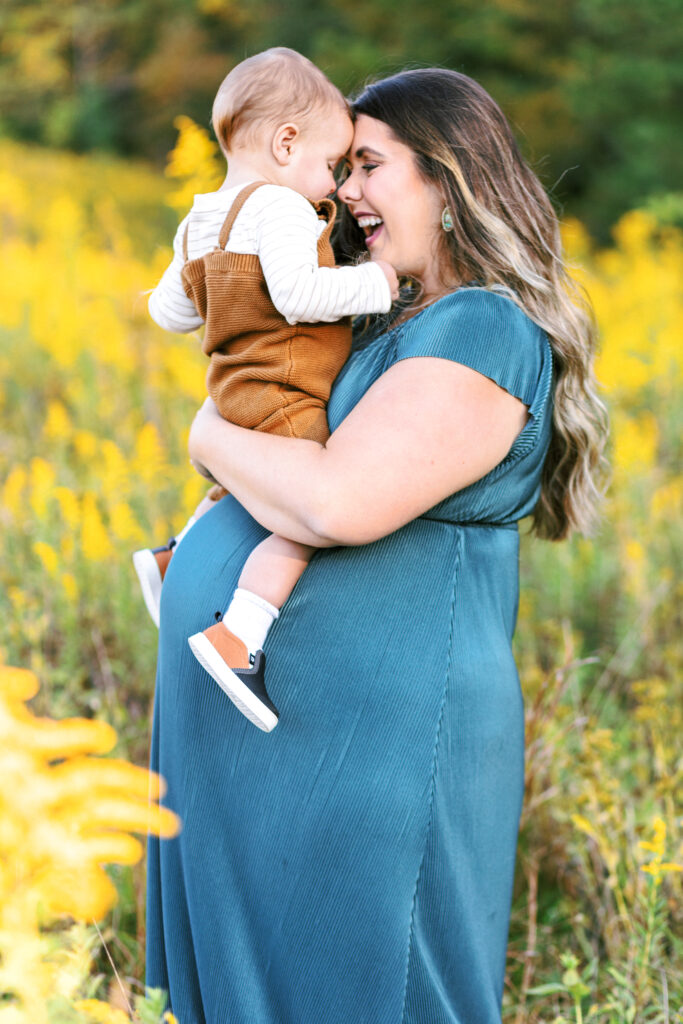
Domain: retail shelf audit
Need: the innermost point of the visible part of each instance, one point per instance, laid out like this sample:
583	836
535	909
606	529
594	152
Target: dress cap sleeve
485	331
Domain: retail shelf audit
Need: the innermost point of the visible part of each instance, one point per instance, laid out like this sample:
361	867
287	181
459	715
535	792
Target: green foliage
150	1007
62	1011
592	86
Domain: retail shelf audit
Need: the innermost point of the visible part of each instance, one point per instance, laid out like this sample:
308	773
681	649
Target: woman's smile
372	227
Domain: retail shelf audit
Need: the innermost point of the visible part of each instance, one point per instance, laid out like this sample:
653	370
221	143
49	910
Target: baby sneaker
151	565
241	676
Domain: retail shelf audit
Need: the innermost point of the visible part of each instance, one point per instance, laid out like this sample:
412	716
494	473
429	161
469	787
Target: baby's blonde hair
268	89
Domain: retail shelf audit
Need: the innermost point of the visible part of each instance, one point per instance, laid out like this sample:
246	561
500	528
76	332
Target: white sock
186	528
250	617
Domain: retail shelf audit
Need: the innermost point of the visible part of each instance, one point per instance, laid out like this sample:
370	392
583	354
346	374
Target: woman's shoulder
486	331
483	311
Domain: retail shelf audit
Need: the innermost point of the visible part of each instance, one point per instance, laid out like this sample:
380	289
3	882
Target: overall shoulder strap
235	209
326	210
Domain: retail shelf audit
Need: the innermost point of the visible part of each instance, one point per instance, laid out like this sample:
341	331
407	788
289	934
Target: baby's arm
300	289
169	306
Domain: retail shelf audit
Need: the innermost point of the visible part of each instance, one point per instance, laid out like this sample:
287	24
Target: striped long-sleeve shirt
280	227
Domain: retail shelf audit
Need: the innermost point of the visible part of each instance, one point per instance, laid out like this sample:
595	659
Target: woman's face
399	211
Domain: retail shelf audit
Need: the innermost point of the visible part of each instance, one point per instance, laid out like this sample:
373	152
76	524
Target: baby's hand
391	277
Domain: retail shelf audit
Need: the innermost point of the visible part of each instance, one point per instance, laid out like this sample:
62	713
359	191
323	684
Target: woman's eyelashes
346	169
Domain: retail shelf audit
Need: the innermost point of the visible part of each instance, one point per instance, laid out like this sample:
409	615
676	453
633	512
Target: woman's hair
505	237
268	89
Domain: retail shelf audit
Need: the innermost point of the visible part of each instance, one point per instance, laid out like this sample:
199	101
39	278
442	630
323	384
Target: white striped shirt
280	227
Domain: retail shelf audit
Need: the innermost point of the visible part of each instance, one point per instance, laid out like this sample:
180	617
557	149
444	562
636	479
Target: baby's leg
274	567
231	650
268	578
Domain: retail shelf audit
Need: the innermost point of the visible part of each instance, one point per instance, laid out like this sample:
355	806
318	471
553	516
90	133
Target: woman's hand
204	418
426	428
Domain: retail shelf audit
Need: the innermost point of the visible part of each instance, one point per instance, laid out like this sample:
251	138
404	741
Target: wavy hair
506	238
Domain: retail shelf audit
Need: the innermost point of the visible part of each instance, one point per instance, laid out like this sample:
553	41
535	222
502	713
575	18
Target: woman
357	864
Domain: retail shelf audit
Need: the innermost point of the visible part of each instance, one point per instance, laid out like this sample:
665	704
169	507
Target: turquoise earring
447	219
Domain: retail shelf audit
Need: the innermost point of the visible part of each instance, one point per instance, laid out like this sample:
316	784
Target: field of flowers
95	407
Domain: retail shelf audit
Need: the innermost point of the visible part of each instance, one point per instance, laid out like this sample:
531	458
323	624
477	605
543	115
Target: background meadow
95	405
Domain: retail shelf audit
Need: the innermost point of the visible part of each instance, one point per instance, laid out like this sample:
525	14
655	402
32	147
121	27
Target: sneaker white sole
240	694
150	581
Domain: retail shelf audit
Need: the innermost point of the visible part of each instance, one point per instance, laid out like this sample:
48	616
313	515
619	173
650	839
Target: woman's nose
349	190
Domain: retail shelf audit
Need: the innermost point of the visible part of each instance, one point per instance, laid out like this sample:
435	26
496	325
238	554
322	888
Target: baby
253	261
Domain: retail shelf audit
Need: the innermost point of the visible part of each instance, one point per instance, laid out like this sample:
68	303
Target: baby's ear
284	139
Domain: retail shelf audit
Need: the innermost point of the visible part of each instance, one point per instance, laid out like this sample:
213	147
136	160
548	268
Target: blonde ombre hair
269	89
506	238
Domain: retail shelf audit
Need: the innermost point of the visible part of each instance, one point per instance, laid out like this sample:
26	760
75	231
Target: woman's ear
284	140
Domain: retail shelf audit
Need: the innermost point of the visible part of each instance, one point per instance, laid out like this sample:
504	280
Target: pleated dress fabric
355	865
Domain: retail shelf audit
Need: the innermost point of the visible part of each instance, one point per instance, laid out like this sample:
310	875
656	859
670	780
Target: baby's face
318	152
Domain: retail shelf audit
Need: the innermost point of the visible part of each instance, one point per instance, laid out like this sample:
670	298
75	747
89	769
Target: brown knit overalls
264	373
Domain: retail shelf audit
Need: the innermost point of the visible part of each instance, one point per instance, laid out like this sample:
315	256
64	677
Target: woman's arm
426	428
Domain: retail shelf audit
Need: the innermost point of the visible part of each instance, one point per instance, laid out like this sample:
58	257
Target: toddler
253	261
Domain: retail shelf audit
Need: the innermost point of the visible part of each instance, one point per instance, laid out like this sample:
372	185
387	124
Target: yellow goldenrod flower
13	491
86	444
114	473
48	557
42	480
68	581
194	164
657	845
148	461
634	231
123	524
63	815
69	507
636	441
584	825
57	424
101	1013
95	541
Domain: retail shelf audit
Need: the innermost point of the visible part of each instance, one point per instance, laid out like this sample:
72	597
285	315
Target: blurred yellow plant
657	866
194	164
63	815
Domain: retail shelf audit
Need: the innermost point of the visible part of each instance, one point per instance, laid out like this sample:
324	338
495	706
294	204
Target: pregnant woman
356	865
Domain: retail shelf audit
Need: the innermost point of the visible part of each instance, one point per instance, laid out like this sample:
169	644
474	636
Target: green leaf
151	1006
571	978
548	990
61	1011
618	976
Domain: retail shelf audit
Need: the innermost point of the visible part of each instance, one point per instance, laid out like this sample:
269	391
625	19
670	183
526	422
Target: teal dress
355	865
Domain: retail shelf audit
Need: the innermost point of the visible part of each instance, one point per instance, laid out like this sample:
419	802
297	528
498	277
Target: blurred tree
625	87
64	68
592	87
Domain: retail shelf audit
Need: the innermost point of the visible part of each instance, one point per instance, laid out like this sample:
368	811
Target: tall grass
96	403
